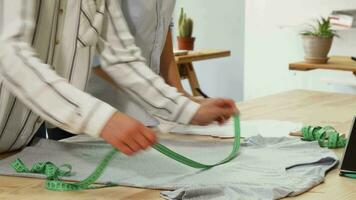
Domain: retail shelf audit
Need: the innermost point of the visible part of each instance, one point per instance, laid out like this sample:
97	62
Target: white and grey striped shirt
46	48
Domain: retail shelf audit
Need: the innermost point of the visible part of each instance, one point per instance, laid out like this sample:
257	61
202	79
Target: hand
127	134
219	110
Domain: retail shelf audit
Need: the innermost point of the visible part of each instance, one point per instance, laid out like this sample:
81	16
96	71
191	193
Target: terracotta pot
316	48
186	43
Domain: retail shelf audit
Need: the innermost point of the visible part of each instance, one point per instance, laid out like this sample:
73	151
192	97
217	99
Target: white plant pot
316	48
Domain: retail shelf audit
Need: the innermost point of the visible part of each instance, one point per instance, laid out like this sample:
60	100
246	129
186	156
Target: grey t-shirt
149	22
265	168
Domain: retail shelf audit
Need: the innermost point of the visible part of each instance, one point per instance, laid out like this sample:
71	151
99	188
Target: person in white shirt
46	48
150	24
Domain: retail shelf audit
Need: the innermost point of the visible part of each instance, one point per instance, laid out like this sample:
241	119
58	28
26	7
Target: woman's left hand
211	110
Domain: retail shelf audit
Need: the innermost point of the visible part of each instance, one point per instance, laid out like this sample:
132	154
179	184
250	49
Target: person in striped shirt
46	48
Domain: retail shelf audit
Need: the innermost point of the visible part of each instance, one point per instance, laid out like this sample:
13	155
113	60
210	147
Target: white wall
272	41
219	25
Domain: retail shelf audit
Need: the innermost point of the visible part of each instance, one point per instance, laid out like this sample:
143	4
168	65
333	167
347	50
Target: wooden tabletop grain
311	107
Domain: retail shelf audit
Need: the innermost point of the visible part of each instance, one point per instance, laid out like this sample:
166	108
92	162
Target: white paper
266	128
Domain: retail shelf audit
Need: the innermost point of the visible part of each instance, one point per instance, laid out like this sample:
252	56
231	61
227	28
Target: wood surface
186	68
199	55
310	107
184	64
341	63
187	71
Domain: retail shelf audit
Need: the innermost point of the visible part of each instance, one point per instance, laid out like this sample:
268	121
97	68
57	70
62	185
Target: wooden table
342	63
186	69
299	106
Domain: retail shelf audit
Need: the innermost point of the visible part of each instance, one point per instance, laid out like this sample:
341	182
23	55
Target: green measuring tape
53	173
349	175
326	136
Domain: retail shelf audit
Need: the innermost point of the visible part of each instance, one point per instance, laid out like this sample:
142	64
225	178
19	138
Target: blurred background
263	36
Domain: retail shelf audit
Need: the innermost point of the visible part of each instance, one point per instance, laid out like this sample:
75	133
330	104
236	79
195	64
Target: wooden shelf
186	69
199	55
341	63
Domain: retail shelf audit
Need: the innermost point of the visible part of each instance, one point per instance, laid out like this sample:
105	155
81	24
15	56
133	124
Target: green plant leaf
322	28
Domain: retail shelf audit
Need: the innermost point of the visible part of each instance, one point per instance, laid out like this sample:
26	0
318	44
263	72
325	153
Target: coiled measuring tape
326	136
53	173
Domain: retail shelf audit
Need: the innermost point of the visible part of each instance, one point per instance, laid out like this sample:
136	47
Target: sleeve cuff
187	111
101	115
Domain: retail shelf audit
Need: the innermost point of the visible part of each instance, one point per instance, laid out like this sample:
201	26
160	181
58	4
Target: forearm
121	60
48	94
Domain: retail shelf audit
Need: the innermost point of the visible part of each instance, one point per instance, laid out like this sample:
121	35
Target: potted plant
185	28
317	42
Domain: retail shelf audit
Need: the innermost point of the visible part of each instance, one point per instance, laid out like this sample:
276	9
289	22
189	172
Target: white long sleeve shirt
149	22
46	48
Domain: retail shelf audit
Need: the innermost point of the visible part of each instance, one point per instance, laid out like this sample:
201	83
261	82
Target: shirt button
60	11
57	42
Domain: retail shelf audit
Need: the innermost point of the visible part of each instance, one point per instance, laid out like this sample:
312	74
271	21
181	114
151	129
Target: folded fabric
266	128
266	168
